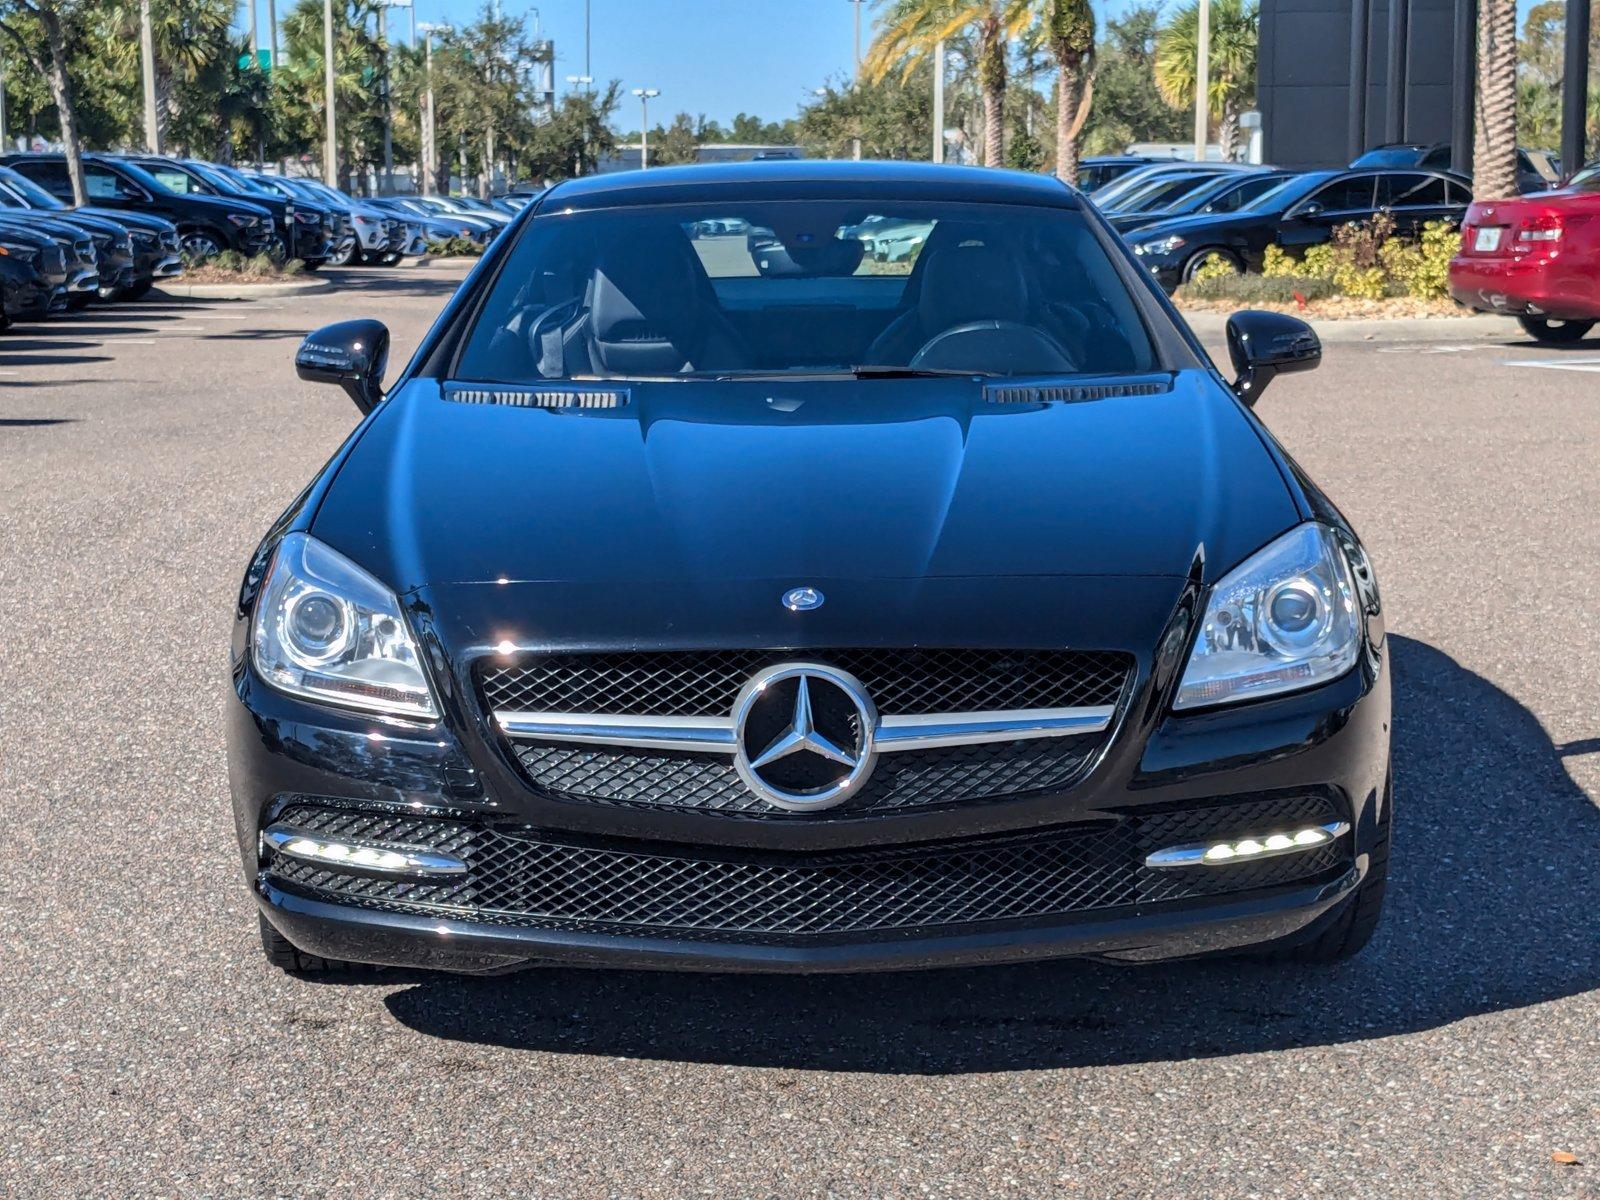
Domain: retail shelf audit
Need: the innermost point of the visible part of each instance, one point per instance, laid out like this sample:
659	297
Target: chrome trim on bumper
717	735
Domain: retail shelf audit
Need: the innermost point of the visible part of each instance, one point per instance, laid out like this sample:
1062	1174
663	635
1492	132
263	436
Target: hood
129	219
223	205
699	483
1210	223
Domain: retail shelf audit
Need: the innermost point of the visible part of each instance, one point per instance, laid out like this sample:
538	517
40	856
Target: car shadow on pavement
1494	904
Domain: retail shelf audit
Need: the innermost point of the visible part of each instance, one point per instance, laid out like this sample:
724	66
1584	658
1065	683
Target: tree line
1033	84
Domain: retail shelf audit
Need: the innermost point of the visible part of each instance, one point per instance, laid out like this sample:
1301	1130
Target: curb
242	291
1207	324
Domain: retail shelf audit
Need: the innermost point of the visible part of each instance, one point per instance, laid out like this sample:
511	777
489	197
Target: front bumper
1331	743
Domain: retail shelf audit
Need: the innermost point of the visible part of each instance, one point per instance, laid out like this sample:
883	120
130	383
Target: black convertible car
1302	211
672	611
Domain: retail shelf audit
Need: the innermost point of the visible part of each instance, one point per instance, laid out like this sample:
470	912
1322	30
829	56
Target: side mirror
352	354
1310	212
1264	345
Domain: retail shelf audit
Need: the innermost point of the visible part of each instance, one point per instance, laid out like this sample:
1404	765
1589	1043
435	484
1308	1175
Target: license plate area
1486	240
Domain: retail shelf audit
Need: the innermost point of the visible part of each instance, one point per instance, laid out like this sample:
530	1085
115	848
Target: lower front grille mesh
526	877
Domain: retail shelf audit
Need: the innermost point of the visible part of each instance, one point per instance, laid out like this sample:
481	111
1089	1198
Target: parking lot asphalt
146	1049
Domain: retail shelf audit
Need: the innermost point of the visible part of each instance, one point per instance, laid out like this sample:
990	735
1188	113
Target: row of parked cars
148	216
1179	216
1534	256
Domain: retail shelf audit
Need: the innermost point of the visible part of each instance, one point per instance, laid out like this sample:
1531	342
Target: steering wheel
994	347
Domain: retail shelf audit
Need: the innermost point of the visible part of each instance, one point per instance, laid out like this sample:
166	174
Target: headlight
20	252
326	630
242	221
1286	619
1164	245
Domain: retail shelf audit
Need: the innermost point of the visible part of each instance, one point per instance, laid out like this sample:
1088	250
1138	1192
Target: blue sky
717	57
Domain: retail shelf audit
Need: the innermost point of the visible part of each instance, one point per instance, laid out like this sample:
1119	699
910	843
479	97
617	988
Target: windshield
806	287
1288	192
238	180
212	176
145	179
32	195
1164	194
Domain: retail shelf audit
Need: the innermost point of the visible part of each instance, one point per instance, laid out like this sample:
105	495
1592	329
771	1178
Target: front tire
345	253
287	957
200	246
1555	333
134	291
1200	258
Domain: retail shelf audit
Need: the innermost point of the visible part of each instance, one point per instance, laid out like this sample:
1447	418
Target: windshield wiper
873	371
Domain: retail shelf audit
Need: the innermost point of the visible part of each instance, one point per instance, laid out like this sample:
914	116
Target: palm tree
1068	27
1494	151
190	36
1235	26
910	29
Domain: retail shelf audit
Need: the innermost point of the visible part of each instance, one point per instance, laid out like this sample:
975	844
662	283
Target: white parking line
1589	363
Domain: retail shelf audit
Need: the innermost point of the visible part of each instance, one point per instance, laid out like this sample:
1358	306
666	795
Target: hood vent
1073	393
539	397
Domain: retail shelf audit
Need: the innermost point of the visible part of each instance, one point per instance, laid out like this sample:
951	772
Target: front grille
521	876
709	783
900	682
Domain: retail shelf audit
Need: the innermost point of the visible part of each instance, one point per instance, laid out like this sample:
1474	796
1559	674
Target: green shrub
454	246
1364	260
1215	266
1247	290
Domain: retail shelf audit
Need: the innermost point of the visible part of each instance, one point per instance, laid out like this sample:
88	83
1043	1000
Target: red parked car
1536	258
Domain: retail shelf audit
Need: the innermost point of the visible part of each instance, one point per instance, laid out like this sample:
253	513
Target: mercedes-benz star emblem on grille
802	599
804	735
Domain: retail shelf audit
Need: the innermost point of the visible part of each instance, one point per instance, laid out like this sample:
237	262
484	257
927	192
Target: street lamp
147	67
575	80
388	106
1202	82
855	143
430	166
330	154
645	96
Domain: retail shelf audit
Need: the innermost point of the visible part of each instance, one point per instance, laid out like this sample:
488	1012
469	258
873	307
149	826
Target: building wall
1303	78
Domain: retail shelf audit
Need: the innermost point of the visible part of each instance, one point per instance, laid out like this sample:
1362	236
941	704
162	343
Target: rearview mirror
1264	345
352	354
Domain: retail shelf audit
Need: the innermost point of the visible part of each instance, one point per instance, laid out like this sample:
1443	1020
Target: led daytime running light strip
348	853
1247	849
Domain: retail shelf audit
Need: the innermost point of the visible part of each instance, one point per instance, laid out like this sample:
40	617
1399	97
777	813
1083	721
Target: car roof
811	179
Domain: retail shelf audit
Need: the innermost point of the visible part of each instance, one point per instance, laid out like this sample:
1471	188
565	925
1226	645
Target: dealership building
1337	77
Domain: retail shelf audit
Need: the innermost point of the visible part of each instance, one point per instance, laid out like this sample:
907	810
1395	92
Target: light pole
147	65
645	96
384	6
1202	82
588	64
938	101
330	154
3	96
430	166
855	143
272	27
